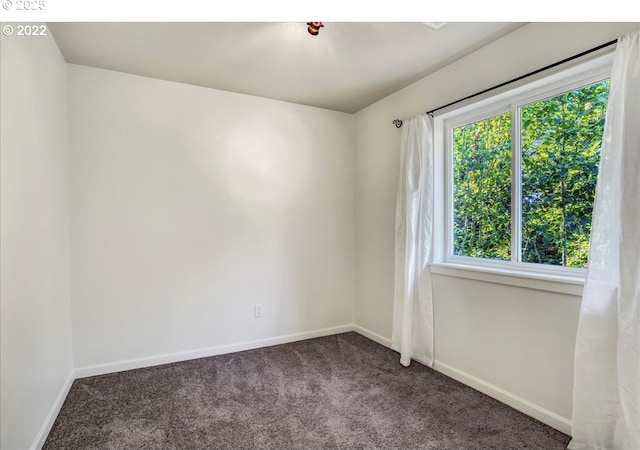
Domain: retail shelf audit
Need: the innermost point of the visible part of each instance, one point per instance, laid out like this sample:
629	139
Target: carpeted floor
341	391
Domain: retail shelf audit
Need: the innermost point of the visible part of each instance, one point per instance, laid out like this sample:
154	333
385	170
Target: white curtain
413	306
606	405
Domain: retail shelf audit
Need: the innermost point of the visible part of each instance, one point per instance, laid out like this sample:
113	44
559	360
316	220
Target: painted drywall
36	360
513	338
191	205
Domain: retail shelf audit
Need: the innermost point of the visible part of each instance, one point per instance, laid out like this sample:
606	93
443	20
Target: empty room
315	235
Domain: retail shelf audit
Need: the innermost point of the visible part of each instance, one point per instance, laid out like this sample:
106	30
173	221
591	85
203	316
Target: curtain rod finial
397	123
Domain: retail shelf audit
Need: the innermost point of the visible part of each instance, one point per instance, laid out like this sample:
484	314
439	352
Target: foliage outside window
524	180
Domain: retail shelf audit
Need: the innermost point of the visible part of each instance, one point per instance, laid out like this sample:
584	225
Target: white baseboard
41	437
118	366
519	403
373	336
138	363
524	406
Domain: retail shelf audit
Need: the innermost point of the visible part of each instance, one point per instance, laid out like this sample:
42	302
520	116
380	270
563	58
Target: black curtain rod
398	122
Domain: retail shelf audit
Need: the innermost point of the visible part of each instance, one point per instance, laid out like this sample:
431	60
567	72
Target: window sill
531	280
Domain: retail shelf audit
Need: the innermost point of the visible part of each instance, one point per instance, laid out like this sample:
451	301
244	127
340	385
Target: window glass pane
560	141
481	188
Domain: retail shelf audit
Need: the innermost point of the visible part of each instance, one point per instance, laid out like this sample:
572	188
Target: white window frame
581	74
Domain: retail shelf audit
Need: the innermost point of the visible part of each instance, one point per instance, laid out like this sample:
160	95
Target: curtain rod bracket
398	122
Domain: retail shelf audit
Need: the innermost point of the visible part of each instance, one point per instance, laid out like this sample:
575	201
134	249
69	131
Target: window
522	174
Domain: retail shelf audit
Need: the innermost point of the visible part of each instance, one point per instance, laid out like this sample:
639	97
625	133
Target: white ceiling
347	67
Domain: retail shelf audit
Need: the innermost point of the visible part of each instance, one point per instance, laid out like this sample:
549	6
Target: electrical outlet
258	310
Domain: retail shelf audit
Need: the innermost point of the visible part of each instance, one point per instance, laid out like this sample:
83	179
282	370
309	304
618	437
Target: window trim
561	284
593	70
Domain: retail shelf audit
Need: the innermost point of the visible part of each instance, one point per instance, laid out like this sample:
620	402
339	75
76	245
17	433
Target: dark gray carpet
341	391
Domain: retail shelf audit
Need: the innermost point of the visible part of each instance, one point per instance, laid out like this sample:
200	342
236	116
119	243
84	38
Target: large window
523	176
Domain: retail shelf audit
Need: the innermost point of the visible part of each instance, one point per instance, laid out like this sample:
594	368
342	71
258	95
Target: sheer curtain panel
606	405
413	307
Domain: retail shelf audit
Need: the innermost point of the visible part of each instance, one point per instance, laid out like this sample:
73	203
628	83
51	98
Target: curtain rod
398	122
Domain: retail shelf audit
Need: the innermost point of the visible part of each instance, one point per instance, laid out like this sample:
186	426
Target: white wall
513	338
190	205
36	363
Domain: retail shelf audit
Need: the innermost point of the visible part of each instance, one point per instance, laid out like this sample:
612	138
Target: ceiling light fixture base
314	28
